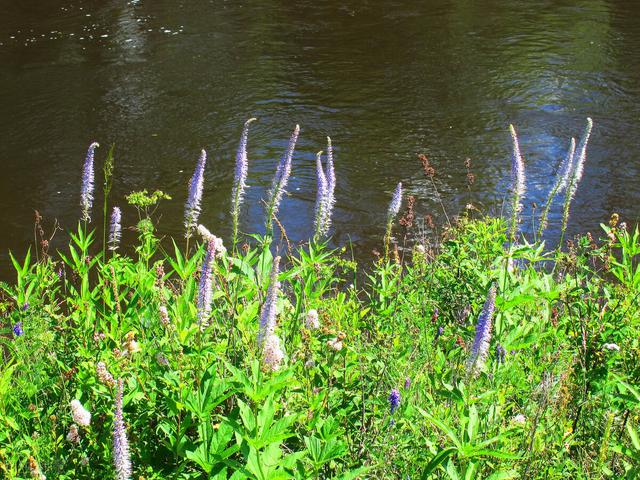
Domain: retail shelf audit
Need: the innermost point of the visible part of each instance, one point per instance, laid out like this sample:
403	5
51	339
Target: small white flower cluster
206	235
312	321
80	414
272	353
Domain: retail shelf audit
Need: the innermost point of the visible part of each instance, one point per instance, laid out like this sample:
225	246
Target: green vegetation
557	396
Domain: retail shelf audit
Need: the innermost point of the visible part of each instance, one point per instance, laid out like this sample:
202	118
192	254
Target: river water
386	80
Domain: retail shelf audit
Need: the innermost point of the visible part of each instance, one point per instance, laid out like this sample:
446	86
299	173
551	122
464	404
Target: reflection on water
163	79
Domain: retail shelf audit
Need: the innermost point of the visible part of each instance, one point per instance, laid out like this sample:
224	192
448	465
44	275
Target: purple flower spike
115	230
242	169
192	206
86	192
581	153
322	201
121	454
281	178
18	331
269	308
407	383
331	179
394	400
480	346
204	290
396	201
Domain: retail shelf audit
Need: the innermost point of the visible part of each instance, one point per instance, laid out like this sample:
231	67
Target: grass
556	397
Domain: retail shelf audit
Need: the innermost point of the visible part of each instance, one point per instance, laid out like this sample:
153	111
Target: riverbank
457	359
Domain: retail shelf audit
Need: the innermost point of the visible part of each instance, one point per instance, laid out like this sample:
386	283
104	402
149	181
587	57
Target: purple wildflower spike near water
281	178
240	177
331	175
581	156
121	454
205	292
562	181
115	230
576	176
269	308
566	167
192	206
482	339
322	200
396	202
86	192
517	182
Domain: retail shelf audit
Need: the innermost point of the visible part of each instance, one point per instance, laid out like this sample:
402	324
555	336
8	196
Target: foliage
561	402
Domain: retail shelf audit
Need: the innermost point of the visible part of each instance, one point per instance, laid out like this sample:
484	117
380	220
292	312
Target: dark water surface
386	80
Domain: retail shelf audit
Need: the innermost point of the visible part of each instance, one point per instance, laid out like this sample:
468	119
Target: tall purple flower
576	176
322	200
396	201
562	181
281	178
482	339
18	331
86	192
331	179
240	177
204	289
269	308
121	454
115	230
394	400
192	206
517	181
581	153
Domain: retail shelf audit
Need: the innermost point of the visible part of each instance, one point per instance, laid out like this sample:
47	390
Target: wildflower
407	383
611	346
25	307
310	363
80	414
394	400
519	419
419	249
240	177
272	353
220	249
192	206
162	360
35	469
73	436
130	344
335	344
121	458
18	331
281	178
517	181
269	312
164	315
331	181
104	376
480	346
116	229
86	192
396	201
321	199
562	180
204	289
580	159
311	321
576	176
438	333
